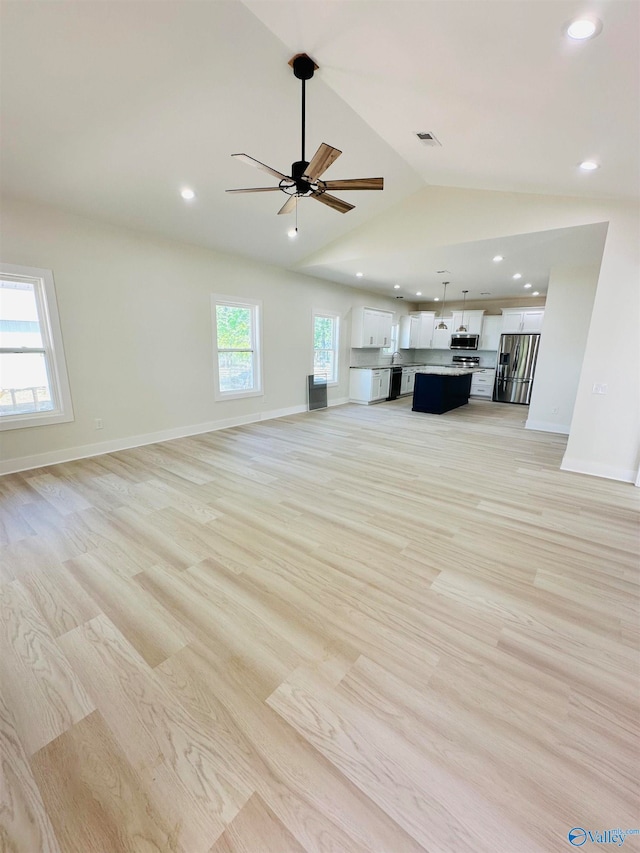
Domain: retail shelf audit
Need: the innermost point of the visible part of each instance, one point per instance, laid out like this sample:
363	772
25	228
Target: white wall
605	430
136	322
569	305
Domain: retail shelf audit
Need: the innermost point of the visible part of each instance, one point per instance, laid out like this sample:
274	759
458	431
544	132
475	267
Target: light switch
599	389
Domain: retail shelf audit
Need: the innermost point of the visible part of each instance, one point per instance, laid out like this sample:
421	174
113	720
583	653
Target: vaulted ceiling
110	108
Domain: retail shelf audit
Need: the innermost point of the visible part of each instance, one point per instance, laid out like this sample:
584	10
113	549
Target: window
236	328
34	388
325	346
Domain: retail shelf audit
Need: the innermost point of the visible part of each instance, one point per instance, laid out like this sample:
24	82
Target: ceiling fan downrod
303	69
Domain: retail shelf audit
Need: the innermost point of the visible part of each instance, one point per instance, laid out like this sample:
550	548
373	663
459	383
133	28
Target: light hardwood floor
358	629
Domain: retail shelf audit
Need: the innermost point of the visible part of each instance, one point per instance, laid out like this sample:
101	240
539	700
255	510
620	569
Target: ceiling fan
304	180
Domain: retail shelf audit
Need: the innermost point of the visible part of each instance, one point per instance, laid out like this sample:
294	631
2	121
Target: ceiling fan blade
321	160
254	190
332	201
289	205
355	184
251	161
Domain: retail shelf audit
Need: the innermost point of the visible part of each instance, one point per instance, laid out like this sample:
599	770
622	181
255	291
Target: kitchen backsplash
367	357
378	358
488	358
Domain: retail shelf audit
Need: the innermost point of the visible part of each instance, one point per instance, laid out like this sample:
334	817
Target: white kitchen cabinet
425	335
371	327
409	330
491	331
369	385
482	382
408	380
416	330
441	338
520	321
472	320
532	320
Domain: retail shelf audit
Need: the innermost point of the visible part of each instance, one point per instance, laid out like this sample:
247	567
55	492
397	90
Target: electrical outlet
98	423
599	389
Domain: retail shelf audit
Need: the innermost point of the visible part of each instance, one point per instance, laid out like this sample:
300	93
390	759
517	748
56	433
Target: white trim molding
581	466
84	451
548	426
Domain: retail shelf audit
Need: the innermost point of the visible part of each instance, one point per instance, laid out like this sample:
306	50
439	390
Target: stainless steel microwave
463	340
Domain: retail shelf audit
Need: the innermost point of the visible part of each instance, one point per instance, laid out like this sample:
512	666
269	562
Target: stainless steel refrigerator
516	366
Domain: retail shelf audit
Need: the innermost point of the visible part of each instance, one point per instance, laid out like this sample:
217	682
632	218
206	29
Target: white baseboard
547	426
594	469
39	460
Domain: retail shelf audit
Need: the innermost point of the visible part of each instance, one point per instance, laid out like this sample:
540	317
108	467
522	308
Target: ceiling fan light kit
304	180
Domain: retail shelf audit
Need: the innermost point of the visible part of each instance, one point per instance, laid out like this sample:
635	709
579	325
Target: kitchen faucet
393	355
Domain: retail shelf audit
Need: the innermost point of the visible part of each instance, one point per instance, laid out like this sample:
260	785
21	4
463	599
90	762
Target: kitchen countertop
437	369
387	366
446	371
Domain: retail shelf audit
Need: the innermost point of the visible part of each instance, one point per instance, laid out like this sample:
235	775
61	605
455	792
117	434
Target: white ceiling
109	108
470	266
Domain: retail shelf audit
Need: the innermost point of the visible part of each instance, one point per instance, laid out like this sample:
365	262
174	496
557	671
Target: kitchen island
439	389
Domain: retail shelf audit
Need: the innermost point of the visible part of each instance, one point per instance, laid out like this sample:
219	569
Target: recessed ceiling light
436	299
528	285
518	275
292	233
418	293
187	194
498	258
589	166
584	28
536	293
396	287
359	274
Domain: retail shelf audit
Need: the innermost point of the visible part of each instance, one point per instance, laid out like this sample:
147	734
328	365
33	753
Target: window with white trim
34	387
326	346
236	333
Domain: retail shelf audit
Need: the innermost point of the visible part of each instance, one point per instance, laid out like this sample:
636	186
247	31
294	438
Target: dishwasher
396	382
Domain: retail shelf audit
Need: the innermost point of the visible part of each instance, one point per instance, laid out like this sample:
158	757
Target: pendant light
442	324
462	327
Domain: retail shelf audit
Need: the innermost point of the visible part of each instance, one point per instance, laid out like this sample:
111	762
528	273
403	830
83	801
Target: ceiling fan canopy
305	178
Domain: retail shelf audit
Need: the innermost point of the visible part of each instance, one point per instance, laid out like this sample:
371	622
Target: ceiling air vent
428	138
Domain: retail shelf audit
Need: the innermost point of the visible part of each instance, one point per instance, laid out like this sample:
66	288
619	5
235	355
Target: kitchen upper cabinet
409	330
371	327
416	330
472	320
369	385
425	335
532	320
491	331
441	338
520	321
